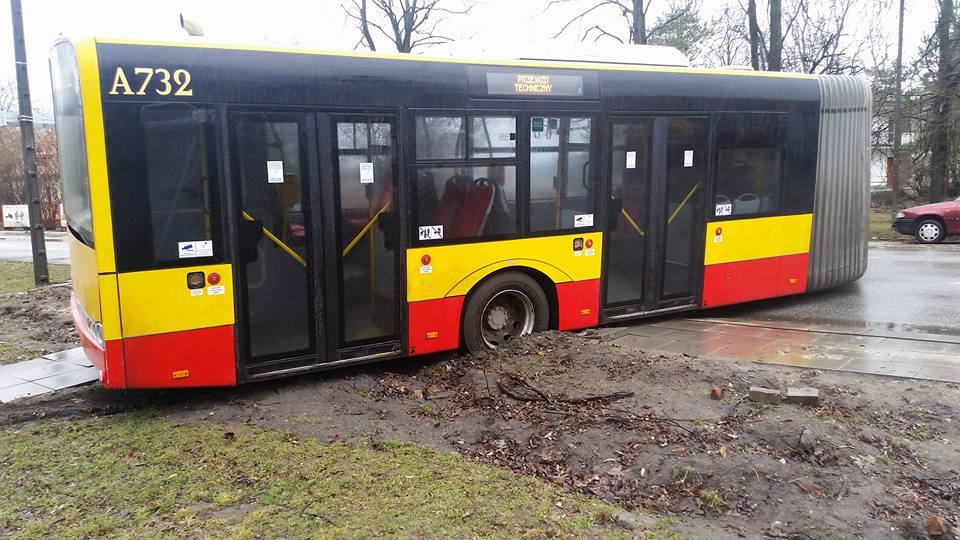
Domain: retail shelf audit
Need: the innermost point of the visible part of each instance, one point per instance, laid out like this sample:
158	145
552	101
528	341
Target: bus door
359	153
658	184
274	167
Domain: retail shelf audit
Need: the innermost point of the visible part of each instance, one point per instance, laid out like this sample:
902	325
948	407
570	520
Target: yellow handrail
277	241
631	222
365	229
682	204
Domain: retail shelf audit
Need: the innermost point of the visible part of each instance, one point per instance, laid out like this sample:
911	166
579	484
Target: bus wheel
502	309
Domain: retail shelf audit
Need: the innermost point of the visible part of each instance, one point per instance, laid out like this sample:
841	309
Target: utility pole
40	274
898	96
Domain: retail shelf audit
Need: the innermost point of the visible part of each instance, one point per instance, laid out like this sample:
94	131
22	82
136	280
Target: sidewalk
878	352
49	373
18	234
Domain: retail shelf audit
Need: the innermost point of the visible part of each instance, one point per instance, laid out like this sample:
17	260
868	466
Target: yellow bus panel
158	301
96	154
454	270
757	238
83	274
110	307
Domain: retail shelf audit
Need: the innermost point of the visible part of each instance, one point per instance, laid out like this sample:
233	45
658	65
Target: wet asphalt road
17	248
907	288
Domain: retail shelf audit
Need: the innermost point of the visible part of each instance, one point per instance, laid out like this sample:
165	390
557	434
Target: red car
929	223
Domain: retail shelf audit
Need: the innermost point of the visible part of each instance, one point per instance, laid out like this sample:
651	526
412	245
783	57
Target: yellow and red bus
242	213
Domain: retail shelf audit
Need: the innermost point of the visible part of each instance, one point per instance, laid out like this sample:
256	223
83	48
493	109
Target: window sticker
688	158
274	172
583	220
215	290
366	173
199	248
724	209
426	269
631	160
431	232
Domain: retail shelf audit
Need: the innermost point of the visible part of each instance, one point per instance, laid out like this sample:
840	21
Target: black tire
930	231
507	288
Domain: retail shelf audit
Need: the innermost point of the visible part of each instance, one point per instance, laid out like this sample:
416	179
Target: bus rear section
148	244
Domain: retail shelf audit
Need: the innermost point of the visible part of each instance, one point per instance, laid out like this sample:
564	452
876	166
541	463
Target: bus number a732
151	80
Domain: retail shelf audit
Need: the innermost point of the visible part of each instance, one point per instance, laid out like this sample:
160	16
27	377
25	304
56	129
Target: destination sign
534	84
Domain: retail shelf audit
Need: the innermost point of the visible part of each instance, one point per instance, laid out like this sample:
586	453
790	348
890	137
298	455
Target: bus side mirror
250	234
614	208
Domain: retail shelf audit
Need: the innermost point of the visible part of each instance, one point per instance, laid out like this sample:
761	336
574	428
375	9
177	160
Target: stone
716	393
611	333
803	396
935	527
764	395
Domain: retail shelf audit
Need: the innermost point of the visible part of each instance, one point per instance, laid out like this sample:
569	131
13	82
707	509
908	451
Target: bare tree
407	24
945	92
754	34
8	96
775	53
634	13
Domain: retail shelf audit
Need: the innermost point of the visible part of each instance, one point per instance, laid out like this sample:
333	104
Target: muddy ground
875	459
37	321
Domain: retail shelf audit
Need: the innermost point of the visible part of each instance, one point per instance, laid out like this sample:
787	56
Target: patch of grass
18	276
712	500
916	432
880	228
10	353
137	475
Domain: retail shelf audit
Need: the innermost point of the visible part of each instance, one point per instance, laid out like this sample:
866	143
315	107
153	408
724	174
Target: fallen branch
521	390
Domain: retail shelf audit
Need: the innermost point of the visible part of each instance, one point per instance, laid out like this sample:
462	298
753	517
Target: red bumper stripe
743	281
434	325
578	304
203	357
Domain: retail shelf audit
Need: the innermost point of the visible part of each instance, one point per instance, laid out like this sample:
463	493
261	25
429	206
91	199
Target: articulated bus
240	213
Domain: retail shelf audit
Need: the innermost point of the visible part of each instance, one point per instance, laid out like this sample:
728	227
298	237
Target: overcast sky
305	23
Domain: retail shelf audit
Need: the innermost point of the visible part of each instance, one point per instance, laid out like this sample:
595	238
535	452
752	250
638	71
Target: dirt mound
876	458
38	320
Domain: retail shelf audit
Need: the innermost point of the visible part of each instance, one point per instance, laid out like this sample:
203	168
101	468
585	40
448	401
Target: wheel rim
505	317
929	232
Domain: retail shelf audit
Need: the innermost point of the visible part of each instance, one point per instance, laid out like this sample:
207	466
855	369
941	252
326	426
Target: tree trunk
775	56
939	154
365	27
638	33
754	34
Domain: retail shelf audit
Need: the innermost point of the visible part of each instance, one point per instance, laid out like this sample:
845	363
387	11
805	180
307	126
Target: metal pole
40	274
896	118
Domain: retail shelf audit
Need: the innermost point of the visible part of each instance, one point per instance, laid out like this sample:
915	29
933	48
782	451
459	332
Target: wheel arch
547	285
936	217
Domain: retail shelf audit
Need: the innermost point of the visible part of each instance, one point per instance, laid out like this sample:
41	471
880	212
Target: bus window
493	136
464	202
162	162
71	142
441	137
750	161
561	190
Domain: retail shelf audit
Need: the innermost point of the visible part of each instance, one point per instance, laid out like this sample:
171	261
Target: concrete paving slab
23	390
643	343
40	370
9	369
71	378
646	330
7	381
74	356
